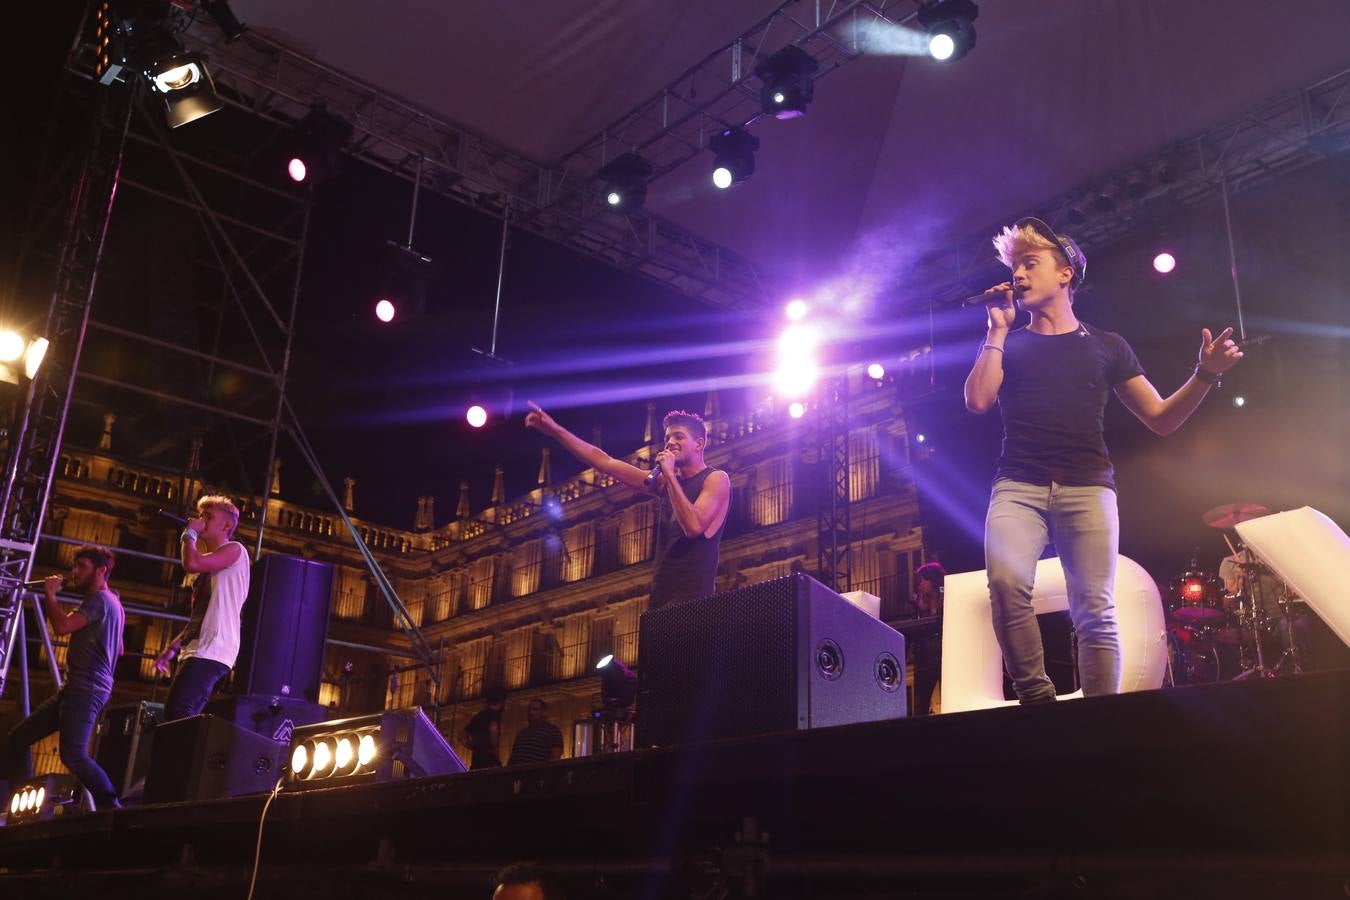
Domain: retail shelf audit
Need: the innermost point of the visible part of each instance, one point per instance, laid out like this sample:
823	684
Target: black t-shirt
1052	401
94	648
685	568
480	737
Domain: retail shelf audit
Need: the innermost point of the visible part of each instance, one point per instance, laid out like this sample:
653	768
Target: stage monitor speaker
285	624
126	737
270	715
206	757
784	655
397	743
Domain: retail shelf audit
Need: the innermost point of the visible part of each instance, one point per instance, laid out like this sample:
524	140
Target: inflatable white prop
1312	555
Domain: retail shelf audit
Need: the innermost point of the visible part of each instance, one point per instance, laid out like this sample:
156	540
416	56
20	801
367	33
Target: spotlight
798	341
183	79
797	409
315	148
950	26
402	280
921	438
1239	401
43	798
618	684
385	310
625	181
796	309
876	371
1107	198
11	346
795	377
1165	173
1164	262
733	157
1136	184
476	416
787	83
394	744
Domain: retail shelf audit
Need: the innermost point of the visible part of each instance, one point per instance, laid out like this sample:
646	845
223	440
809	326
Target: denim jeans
1084	526
192	685
73	712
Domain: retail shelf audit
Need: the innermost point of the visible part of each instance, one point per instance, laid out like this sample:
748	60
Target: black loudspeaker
125	739
206	757
784	655
271	716
285	625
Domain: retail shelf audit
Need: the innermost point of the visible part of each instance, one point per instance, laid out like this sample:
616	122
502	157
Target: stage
1226	790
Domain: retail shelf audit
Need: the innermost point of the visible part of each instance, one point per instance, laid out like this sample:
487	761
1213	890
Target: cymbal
1228	515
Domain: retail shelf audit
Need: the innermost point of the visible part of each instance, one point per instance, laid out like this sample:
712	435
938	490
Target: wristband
992	347
1204	376
189	534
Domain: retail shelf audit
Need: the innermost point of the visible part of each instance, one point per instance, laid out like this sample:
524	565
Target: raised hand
539	420
1001	315
1218	354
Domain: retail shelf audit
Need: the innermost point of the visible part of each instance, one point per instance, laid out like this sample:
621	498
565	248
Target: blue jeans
191	687
1084	526
73	711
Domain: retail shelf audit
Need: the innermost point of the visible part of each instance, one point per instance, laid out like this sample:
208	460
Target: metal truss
1273	141
834	532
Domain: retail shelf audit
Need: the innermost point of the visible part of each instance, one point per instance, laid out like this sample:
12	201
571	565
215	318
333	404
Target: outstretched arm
1217	355
590	454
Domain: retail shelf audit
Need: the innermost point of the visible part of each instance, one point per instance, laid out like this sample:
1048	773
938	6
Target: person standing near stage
208	646
540	740
483	734
927	643
1055	481
95	630
692	517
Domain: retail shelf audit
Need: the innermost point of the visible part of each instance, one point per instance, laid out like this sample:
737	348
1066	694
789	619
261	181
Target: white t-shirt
217	604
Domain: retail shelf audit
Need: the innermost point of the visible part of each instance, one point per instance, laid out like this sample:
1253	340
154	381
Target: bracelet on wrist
992	347
1204	376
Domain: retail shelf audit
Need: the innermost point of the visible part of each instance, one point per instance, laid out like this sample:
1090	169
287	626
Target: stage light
403	281
787	83
796	309
876	371
11	346
43	798
385	311
223	16
183	79
314	150
476	416
797	409
380	747
921	438
733	157
1164	262
795	377
1165	173
297	169
950	26
625	182
798	341
1107	198
1239	401
618	684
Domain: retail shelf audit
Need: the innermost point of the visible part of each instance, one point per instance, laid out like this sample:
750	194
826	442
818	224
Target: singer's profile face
1036	273
680	444
82	575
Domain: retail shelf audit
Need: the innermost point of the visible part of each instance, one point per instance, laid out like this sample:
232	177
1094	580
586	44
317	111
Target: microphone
176	519
989	297
37	585
654	474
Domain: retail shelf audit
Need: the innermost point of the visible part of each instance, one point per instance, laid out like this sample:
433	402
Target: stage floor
1226	790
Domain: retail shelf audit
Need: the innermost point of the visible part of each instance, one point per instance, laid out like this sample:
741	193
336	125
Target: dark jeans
192	685
73	712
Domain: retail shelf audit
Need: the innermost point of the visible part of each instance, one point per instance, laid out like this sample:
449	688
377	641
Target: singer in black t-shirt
1055	482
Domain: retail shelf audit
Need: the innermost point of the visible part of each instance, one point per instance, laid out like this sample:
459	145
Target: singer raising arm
986	377
588	453
1217	355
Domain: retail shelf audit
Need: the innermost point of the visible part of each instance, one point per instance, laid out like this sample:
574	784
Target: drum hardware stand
1251	586
1290	653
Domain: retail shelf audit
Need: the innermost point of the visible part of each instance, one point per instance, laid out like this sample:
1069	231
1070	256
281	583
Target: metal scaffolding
834	531
256	236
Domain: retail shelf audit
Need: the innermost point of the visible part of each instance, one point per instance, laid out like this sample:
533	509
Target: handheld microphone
176	519
652	476
989	297
37	585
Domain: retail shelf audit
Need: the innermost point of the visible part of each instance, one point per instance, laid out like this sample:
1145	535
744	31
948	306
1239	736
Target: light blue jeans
1084	526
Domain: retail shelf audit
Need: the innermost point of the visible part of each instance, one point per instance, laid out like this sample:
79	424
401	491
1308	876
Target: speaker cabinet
285	624
272	716
126	736
206	757
784	655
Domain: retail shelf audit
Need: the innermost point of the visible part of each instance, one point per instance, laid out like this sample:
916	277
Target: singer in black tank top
685	567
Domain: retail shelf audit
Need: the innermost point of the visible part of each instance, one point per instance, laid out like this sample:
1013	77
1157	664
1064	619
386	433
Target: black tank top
685	567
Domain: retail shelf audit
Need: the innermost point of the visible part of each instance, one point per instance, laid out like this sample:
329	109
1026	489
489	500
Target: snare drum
1196	601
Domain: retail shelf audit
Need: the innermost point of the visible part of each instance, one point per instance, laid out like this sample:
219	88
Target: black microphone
37	585
176	519
989	297
654	474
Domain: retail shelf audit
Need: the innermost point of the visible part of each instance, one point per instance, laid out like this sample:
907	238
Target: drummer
1237	572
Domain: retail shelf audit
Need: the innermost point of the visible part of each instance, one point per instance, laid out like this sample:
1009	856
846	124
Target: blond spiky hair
1012	241
223	504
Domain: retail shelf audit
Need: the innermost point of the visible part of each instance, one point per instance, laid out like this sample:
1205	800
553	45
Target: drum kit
1217	634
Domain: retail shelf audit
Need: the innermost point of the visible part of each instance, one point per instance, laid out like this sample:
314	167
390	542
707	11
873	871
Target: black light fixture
733	156
618	684
314	151
183	79
950	26
625	182
225	19
141	38
787	83
403	280
387	746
